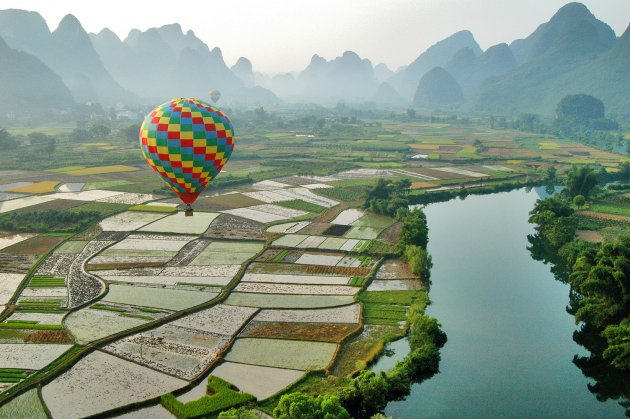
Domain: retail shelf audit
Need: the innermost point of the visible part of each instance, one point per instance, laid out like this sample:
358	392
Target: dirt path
604	216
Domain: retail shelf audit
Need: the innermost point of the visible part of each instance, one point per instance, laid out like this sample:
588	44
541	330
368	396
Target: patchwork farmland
254	289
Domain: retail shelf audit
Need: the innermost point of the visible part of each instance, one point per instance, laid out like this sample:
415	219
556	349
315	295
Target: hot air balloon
187	142
215	95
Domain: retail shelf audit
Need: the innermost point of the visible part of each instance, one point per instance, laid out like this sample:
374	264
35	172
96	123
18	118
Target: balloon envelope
187	142
215	95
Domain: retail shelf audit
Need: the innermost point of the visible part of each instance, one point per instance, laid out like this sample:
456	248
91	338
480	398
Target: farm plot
319	259
212	281
179	223
4	196
12	239
261	382
39	317
129	221
377	222
311	242
30	356
101	382
296	279
220	319
56	264
319	332
88	325
347	217
395	285
171	299
91	195
227	226
277	288
287	300
19	203
72	247
43	186
71	187
161	244
333	243
346	314
129	198
394	269
84	287
27	405
288	227
279	353
44	292
227	252
266	213
151	412
462	172
8	285
174	350
290	240
266	185
363	232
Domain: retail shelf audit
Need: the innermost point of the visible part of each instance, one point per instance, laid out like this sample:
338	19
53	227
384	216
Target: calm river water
510	346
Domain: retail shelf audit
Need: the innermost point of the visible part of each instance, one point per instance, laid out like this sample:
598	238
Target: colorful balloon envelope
187	142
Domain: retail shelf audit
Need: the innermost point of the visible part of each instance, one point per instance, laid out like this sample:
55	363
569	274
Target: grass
389	307
298	204
280	353
107	308
12	375
357	281
617	208
153	208
27	325
221	396
344	193
45	186
47	281
138	316
86	171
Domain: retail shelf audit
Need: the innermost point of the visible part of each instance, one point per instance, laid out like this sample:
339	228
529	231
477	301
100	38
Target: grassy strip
153	208
137	316
150	310
105	307
36	326
194	284
220	397
357	281
40	310
300	205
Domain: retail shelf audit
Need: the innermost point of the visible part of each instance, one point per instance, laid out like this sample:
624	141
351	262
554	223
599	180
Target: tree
580	181
579	200
130	132
554	220
580	107
51	145
241	413
6	142
415	230
99	131
419	261
300	405
551	177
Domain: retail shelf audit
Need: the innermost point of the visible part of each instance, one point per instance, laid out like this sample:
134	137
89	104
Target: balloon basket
188	212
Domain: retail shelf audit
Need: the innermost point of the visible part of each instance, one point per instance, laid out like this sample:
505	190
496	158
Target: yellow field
37	187
423	185
96	170
549	145
426	146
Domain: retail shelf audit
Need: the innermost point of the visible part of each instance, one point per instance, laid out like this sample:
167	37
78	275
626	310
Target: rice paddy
172	299
129	221
287	301
88	325
28	355
290	354
45	186
261	382
179	223
100	382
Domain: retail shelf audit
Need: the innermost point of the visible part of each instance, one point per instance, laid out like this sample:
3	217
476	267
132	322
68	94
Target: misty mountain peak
216	54
572	12
317	60
351	55
108	35
243	65
69	24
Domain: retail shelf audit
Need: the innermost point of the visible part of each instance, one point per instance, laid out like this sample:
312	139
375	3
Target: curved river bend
510	346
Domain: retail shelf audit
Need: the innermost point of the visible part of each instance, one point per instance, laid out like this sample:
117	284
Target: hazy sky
279	36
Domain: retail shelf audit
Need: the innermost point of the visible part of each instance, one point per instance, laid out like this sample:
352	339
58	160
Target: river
510	348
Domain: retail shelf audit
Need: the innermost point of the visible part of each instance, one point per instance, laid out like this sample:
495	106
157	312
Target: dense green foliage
419	261
47	221
300	405
240	413
554	220
415	230
388	197
220	397
580	180
580	107
602	278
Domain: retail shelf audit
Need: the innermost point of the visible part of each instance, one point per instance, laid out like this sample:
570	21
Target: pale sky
281	36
